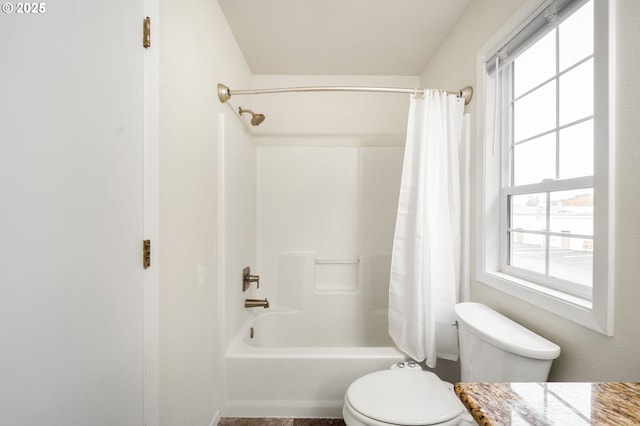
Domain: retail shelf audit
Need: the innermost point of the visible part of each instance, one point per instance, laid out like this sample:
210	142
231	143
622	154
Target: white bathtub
292	368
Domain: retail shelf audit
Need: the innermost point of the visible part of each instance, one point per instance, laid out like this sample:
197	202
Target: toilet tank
494	348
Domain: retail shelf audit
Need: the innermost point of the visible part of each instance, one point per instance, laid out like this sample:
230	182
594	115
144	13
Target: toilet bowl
493	348
403	397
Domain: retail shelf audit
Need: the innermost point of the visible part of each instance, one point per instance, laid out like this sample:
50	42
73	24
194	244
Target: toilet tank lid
503	332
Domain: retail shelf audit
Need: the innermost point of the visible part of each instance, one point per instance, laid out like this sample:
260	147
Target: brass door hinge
146	253
146	32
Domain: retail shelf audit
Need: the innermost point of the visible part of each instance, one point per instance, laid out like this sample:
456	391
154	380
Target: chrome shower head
256	119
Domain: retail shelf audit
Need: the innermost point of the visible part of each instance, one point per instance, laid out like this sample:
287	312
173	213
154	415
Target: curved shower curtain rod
224	93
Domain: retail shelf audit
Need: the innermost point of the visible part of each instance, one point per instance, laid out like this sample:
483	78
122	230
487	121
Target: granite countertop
552	403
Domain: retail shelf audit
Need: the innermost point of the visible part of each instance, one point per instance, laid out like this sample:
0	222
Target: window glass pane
571	259
528	212
527	251
535	113
535	160
576	36
572	211
576	150
576	93
536	65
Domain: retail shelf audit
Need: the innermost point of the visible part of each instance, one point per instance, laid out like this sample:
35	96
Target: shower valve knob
247	279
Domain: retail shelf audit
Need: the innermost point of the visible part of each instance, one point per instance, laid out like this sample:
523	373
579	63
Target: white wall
197	50
367	118
586	355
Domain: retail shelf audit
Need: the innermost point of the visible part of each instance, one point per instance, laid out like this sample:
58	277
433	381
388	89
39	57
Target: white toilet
493	348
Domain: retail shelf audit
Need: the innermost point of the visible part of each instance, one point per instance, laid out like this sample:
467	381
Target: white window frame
493	168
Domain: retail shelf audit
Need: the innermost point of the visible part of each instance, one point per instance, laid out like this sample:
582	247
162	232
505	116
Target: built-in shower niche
350	309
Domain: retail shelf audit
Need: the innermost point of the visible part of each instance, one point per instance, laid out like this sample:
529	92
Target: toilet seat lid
403	397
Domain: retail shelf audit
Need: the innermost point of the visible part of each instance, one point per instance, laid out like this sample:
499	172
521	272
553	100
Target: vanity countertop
552	403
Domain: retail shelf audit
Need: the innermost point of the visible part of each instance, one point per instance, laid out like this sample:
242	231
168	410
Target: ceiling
341	37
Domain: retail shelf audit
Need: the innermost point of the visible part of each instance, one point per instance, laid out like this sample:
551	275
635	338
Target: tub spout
256	303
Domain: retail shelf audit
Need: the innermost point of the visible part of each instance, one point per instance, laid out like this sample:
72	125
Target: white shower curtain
425	263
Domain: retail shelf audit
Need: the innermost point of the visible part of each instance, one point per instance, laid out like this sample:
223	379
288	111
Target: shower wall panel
379	189
326	217
335	213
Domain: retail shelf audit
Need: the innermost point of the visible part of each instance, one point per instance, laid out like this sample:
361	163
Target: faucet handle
247	278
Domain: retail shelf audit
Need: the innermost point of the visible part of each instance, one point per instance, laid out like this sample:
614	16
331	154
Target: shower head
256	119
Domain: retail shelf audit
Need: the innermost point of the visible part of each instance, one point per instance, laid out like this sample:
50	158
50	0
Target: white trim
550	186
151	217
491	217
566	306
465	273
216	419
567	289
222	258
604	190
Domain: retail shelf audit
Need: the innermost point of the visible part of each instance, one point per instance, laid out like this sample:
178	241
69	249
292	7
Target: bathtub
283	364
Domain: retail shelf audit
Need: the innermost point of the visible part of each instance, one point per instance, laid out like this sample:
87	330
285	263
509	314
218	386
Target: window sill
570	307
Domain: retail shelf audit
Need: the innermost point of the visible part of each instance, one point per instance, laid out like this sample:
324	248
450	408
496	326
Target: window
544	223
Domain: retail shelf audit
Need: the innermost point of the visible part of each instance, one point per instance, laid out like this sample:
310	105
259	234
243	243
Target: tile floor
239	421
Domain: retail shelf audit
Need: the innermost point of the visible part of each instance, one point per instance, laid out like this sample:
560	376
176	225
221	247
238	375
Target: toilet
493	348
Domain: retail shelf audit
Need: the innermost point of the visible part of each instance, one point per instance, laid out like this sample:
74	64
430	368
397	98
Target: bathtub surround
322	210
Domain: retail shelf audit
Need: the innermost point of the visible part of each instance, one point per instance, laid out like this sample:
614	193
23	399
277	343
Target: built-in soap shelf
336	275
336	261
